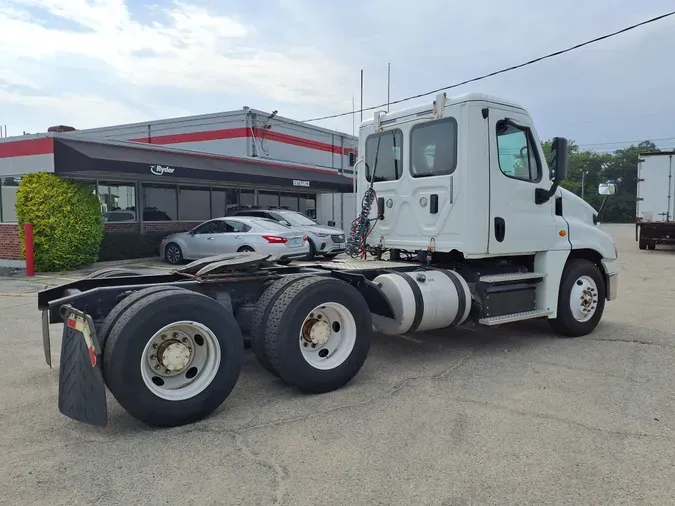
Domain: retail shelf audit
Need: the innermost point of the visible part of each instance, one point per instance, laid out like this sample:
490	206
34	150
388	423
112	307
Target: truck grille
338	238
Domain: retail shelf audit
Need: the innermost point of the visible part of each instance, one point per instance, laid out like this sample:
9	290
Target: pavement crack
280	472
632	341
545	416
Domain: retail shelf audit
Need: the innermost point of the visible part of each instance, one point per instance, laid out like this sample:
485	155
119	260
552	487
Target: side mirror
559	156
606	189
284	222
191	232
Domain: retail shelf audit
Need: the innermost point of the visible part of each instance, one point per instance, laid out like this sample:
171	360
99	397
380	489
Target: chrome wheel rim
584	299
327	336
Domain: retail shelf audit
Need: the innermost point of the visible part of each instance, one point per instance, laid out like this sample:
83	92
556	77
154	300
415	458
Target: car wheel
173	254
245	249
312	251
581	301
331	256
284	262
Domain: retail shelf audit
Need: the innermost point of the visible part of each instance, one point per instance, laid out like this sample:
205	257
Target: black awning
72	155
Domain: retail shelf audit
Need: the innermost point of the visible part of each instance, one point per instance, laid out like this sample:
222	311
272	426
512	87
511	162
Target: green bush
66	218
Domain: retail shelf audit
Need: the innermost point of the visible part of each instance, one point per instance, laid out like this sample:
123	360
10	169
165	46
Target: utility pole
388	85
361	94
583	179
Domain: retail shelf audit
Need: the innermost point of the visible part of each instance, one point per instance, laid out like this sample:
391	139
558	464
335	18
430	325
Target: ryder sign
159	170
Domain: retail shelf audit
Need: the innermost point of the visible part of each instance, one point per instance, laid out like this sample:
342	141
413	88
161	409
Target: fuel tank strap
419	300
461	296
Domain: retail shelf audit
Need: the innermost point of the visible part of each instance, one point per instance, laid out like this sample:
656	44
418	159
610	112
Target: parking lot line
17	294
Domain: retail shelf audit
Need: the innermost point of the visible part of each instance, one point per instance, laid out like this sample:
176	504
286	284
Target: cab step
514	317
512	277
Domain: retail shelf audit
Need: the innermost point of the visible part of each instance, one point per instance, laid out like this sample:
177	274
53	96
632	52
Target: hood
575	206
322	229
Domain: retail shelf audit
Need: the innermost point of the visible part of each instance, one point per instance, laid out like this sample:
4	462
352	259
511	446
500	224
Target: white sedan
229	235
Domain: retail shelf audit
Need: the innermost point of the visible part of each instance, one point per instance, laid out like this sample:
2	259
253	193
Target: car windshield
297	219
272	225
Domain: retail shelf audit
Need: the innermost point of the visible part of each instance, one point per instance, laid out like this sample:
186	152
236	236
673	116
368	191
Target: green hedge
125	245
66	218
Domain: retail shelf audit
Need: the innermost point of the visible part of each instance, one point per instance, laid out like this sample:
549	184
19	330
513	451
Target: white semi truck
655	207
455	194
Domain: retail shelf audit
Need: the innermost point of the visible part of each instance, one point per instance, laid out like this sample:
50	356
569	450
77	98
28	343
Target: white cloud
186	47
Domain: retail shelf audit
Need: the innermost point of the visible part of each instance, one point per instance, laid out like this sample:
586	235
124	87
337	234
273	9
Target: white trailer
655	207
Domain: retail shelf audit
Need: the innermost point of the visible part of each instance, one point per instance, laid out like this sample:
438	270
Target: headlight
320	234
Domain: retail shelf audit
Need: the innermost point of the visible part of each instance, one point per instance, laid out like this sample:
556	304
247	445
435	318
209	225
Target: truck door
517	223
416	184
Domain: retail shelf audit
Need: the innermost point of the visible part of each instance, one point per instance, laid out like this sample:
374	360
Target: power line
502	71
625	142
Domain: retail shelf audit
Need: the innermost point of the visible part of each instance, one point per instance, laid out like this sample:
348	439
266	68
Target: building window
383	156
8	187
160	203
518	157
118	202
194	204
433	148
308	205
289	200
247	197
223	200
268	199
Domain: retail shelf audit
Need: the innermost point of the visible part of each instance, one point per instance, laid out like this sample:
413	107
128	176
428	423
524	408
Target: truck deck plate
356	265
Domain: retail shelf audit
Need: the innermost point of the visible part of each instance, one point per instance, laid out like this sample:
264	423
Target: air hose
360	229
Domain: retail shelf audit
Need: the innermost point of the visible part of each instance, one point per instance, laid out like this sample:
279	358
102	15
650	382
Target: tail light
305	239
275	239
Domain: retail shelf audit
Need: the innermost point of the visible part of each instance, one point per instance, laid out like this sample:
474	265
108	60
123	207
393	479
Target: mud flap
81	384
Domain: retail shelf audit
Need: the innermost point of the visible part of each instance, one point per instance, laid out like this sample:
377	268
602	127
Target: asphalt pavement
510	415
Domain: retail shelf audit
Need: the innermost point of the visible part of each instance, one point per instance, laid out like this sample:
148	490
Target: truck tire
112	272
262	312
581	299
642	244
104	331
318	334
173	357
651	246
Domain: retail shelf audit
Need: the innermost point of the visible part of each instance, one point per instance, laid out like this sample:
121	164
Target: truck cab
465	179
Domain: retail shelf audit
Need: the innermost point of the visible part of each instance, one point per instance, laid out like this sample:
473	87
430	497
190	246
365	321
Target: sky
90	63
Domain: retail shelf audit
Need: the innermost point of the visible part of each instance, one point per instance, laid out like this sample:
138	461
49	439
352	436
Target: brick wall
121	227
10	244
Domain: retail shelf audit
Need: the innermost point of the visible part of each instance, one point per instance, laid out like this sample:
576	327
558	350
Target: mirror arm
541	196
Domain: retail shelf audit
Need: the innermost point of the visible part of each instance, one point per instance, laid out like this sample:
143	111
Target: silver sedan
229	235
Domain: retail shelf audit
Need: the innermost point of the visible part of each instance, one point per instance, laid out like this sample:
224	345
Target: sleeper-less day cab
457	194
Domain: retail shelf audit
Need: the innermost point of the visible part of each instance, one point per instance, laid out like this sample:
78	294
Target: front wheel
581	300
173	254
331	256
317	334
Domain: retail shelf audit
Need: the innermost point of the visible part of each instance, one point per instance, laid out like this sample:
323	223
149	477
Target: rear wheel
173	357
581	300
284	262
173	254
651	246
318	334
245	249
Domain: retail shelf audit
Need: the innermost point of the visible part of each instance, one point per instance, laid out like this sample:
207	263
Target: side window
518	157
384	156
210	227
433	148
236	226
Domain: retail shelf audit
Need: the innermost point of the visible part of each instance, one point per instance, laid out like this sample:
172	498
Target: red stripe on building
238	133
28	147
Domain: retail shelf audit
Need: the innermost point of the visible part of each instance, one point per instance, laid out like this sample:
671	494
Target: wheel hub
175	356
316	331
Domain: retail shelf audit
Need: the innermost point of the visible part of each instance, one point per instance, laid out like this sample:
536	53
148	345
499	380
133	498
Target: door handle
500	229
209	238
237	237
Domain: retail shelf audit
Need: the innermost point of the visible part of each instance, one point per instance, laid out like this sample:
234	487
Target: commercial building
183	171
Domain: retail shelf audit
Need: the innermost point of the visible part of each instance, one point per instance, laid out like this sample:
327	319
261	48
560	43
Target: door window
518	158
383	156
433	148
235	227
210	227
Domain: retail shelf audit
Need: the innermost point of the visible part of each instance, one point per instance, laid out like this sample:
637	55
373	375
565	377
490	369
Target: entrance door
517	223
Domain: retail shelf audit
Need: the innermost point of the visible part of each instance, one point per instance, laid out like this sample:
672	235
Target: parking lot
509	415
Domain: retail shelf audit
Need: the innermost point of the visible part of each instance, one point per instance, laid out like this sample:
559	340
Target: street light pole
583	180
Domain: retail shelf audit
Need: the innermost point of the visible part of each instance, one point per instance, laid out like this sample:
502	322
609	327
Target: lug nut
155	346
305	344
163	337
166	371
153	357
313	345
185	339
157	367
175	335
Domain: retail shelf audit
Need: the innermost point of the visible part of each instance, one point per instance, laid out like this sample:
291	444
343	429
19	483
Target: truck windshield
383	156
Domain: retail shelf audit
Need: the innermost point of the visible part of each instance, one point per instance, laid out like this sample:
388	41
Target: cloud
184	47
